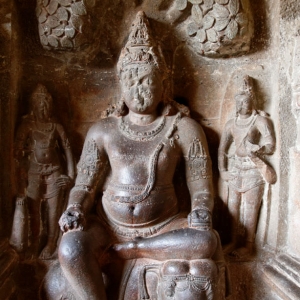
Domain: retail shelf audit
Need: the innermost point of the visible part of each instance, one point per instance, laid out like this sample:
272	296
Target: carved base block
294	203
283	276
8	263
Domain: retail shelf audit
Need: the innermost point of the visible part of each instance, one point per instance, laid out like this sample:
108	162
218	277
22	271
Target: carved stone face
42	108
244	104
142	89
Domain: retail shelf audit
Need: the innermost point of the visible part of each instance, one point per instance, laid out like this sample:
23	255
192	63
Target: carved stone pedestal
283	272
282	275
8	264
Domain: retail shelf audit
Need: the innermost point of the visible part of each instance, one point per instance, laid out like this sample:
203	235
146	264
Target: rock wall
83	82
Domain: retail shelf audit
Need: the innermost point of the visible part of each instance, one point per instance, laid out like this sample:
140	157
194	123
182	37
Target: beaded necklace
144	135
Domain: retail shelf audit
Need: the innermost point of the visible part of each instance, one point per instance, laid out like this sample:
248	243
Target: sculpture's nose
135	90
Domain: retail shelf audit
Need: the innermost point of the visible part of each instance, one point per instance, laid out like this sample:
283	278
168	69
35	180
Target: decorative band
138	188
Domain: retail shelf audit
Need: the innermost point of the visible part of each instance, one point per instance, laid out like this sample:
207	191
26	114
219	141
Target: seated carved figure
165	255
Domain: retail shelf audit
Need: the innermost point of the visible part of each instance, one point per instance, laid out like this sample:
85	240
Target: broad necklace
244	123
44	127
141	136
153	165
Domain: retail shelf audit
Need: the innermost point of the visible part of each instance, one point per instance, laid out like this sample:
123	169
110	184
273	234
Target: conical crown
246	85
140	47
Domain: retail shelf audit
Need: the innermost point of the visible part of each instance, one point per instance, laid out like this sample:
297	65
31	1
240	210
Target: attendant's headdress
41	93
246	86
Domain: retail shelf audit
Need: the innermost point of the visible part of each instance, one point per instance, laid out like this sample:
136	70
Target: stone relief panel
64	24
86	90
218	28
134	221
40	144
245	169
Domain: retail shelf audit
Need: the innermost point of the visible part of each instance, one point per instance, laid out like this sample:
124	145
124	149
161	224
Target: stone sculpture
39	143
252	134
138	227
64	24
218	27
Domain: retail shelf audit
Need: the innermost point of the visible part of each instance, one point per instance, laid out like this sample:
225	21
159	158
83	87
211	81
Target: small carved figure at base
39	142
252	134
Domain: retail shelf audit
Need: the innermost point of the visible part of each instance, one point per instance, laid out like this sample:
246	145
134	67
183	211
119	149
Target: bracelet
74	205
202	208
202	197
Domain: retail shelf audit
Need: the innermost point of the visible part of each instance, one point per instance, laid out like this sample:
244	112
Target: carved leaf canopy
201	35
222	2
59	31
65	2
232	29
196	1
197	14
77	22
192	29
52	7
207	5
61	21
78	8
212	35
217	22
181	4
234	7
62	14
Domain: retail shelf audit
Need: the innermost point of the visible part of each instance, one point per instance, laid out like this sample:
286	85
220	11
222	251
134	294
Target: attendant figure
41	144
252	134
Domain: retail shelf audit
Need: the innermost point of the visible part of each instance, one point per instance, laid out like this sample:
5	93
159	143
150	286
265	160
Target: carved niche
218	28
65	24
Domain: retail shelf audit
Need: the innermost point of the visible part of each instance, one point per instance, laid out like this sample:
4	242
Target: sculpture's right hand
226	175
72	219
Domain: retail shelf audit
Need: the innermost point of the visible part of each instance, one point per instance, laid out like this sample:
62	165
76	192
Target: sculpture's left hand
251	149
200	219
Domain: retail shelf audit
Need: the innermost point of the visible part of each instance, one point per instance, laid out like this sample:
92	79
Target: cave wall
84	82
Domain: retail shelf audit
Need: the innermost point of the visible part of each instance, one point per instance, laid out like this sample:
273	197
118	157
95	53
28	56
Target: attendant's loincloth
42	181
246	175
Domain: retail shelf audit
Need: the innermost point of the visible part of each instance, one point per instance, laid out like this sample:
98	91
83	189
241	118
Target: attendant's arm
226	141
68	153
20	153
268	140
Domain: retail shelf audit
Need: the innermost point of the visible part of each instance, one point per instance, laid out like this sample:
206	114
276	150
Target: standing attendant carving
253	136
168	255
39	143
